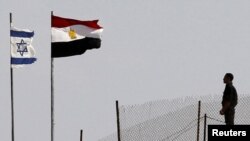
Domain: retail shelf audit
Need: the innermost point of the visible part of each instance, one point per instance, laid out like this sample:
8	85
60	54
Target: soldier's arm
226	105
228	98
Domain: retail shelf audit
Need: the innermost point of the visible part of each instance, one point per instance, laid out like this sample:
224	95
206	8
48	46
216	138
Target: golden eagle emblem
72	34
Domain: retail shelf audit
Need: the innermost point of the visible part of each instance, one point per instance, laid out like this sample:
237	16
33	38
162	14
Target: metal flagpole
52	92
12	95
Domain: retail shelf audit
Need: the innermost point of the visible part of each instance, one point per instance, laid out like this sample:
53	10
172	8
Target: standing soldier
229	99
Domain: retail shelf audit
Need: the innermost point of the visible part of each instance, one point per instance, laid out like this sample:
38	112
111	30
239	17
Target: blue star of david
22	47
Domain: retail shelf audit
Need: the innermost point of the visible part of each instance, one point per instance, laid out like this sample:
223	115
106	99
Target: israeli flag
22	52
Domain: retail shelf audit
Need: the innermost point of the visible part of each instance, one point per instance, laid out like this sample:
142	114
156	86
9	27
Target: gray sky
150	50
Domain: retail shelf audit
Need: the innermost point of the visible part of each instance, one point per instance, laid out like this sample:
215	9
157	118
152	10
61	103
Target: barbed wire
183	129
187	128
215	119
184	132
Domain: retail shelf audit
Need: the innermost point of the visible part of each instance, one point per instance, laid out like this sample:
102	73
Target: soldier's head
228	78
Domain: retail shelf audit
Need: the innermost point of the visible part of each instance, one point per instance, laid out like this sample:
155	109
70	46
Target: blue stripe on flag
21	61
23	34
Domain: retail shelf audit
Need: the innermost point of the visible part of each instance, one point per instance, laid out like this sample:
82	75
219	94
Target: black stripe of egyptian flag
76	47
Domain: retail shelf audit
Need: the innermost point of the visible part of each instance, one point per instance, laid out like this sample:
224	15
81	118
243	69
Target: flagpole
52	89
11	89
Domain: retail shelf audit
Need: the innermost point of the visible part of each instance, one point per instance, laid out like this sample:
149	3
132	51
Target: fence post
118	121
205	127
81	135
198	124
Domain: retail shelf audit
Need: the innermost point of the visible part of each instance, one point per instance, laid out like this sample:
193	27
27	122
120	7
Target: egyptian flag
73	37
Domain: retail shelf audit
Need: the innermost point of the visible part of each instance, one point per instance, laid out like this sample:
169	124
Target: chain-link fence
175	120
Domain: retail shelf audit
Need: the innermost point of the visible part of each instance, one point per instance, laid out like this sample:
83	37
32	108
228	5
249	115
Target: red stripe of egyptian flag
69	48
65	22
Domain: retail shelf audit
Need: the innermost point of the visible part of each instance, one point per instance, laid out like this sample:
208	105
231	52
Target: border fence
175	120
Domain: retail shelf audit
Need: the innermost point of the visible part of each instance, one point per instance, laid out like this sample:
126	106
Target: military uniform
230	95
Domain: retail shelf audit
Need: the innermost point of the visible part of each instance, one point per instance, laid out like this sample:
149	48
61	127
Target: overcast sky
151	50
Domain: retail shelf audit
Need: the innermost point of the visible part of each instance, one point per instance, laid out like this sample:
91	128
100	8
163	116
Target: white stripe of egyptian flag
73	37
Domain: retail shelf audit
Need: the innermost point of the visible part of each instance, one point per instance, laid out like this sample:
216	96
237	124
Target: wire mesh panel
175	120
